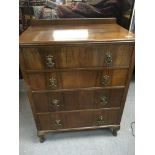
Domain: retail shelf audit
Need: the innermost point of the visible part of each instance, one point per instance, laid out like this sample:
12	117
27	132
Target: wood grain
78	119
66	57
50	34
77	100
77	79
68	78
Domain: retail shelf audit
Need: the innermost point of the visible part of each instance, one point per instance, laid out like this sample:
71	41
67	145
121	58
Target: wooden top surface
74	31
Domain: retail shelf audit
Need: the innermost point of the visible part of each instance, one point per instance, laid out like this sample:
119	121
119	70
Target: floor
92	142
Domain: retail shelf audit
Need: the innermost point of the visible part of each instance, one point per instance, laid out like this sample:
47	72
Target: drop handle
103	100
108	58
106	79
55	103
52	82
49	61
100	120
57	124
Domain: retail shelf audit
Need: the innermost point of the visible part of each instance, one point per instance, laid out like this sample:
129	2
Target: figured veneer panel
75	119
77	100
77	79
79	57
36	58
41	81
76	57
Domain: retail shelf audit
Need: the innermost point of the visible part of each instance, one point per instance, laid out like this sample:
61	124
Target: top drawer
40	58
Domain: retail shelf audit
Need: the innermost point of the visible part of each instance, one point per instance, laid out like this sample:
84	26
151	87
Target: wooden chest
77	73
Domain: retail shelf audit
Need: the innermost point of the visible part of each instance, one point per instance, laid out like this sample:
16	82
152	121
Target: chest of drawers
77	73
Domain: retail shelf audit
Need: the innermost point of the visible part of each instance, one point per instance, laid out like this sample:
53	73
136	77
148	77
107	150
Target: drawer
77	79
77	100
40	58
89	118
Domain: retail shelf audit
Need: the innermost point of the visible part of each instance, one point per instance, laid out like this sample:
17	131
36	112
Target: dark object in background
126	13
103	9
121	9
110	7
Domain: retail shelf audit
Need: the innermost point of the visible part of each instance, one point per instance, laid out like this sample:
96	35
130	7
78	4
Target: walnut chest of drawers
77	73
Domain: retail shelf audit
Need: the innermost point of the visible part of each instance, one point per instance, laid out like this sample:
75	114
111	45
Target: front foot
41	136
41	139
114	130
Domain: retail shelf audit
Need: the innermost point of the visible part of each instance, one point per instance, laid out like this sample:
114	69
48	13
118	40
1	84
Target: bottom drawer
76	119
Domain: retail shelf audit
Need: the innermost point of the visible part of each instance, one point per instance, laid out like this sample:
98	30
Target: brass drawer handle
52	82
108	58
49	61
55	103
100	120
106	80
103	100
58	124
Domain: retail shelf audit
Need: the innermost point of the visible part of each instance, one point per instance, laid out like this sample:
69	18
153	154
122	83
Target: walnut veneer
77	73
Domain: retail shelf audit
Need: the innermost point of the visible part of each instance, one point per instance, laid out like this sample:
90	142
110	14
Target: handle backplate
100	120
103	100
55	103
108	58
58	124
106	80
52	82
50	61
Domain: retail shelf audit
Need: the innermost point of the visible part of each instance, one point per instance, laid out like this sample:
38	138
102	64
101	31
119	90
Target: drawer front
64	120
77	100
76	57
77	79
